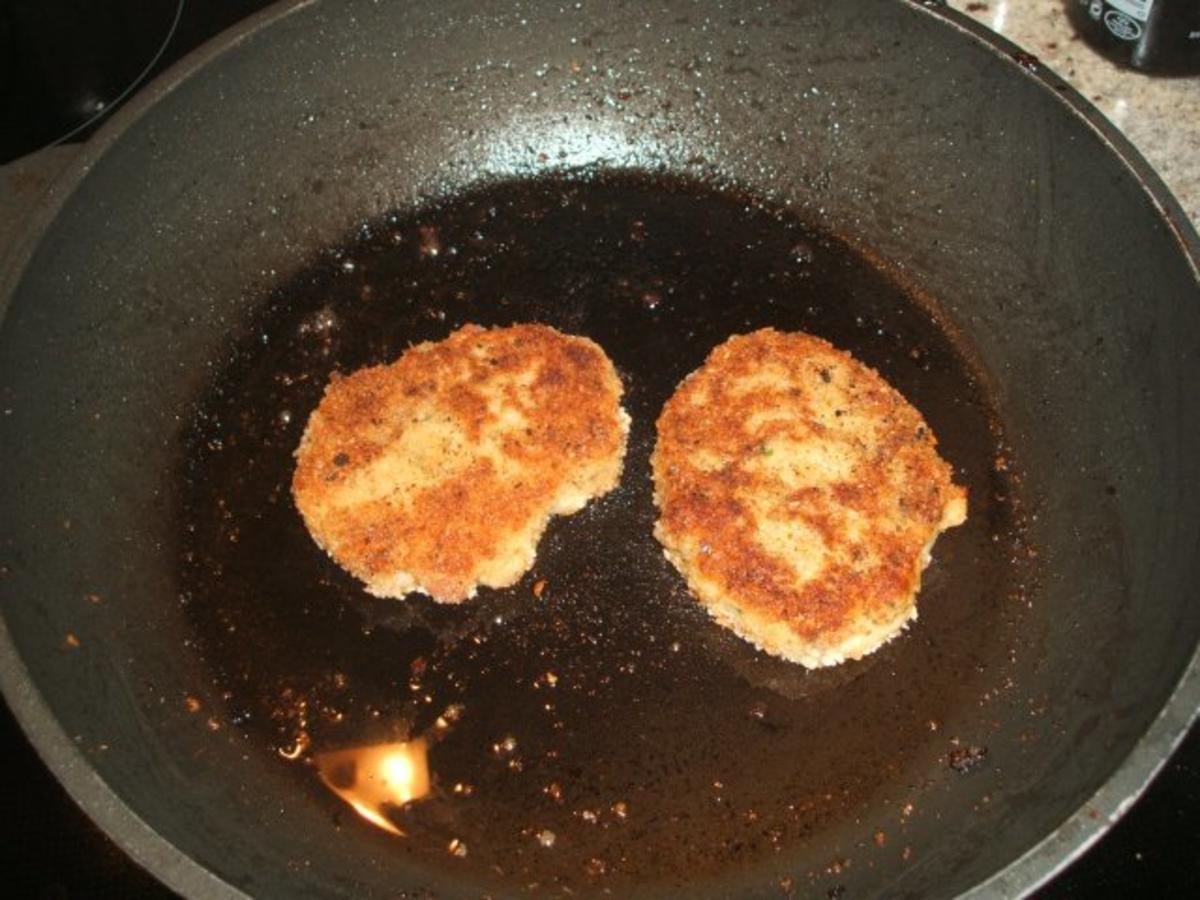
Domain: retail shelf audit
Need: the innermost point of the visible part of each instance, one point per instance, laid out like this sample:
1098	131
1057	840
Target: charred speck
1026	60
966	759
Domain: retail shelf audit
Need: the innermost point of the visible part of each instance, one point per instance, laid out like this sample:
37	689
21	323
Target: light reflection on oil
377	778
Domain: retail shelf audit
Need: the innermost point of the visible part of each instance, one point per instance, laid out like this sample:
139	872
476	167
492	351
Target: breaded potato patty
439	472
800	496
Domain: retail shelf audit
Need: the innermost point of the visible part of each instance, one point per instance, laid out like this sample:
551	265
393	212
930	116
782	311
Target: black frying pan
657	180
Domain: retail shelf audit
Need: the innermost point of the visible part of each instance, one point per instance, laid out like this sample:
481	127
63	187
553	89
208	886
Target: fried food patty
800	496
439	472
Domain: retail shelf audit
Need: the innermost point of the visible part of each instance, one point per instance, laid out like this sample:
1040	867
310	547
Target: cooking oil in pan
589	726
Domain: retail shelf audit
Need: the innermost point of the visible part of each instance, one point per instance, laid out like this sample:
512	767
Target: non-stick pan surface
865	172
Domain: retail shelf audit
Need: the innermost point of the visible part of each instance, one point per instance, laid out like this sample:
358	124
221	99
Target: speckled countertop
1160	116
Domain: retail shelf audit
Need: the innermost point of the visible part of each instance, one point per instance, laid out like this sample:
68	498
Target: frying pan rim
178	871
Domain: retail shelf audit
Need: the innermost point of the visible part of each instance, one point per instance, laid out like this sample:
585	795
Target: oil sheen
589	727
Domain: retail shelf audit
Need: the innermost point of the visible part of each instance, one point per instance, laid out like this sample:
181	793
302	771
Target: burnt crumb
803	252
341	459
1025	60
826	376
596	867
977	7
966	759
430	243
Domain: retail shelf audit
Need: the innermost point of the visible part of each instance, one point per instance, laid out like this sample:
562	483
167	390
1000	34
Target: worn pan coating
979	183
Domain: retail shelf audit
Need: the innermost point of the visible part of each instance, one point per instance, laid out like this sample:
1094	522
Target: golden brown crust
799	494
439	471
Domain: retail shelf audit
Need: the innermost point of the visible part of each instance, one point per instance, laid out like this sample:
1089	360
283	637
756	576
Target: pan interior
591	727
